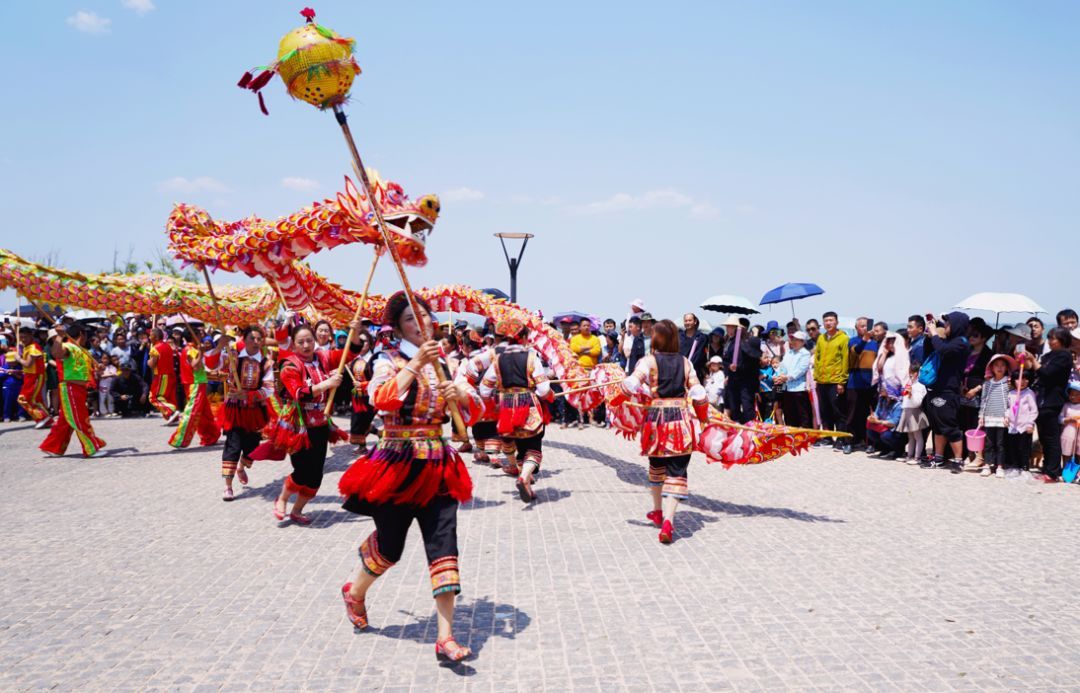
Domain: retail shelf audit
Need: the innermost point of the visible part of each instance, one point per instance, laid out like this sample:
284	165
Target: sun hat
772	325
647	316
800	335
1022	331
1009	361
638	303
1074	385
732	321
716	359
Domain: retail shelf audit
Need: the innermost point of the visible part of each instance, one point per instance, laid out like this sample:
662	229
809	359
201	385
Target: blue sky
901	155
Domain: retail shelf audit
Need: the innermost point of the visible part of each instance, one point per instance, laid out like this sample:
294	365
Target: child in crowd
107	373
1020	418
913	420
995	402
714	383
1070	421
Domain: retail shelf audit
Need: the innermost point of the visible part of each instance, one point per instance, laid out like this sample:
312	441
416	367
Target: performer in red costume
75	369
162	363
516	382
197	415
668	436
31	395
303	430
250	382
412	474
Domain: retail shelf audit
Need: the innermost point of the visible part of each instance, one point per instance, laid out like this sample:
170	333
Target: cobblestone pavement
818	572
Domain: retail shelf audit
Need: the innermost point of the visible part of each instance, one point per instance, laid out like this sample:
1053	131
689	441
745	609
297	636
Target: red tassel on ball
262	105
245	80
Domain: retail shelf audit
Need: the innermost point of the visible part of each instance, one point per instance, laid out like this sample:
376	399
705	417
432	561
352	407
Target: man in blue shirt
916	329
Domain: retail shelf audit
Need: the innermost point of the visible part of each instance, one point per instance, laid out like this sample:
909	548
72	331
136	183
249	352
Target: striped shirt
995	400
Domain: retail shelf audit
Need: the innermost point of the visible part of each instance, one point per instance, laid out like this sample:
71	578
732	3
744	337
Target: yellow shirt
831	359
587	350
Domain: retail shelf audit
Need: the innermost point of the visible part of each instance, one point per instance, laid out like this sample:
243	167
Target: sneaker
100	453
1000	472
889	456
52	454
913	461
847	449
823	443
933	463
955	466
45	423
986	472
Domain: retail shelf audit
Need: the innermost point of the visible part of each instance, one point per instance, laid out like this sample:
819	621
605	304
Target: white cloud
461	195
704	210
89	22
179	184
653	199
297	183
139	6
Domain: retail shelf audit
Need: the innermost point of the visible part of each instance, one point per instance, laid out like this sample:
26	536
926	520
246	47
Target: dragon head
410	222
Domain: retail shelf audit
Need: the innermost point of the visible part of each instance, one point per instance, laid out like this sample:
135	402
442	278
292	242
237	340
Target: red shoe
666	531
481	458
510	468
241	475
355	609
1050	479
279	514
449	651
300	519
656	517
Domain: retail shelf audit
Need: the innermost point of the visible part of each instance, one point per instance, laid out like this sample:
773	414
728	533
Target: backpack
928	372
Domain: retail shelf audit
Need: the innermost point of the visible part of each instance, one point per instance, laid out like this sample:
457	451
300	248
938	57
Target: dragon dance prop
316	65
141	293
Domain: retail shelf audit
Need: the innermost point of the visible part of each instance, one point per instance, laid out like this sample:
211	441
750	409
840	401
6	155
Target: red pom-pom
245	80
308	14
261	81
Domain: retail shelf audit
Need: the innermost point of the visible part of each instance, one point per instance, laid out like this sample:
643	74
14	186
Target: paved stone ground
818	572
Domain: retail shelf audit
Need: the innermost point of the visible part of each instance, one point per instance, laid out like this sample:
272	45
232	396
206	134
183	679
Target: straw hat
732	321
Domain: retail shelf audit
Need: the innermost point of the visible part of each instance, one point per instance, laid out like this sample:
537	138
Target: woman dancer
307	374
412	474
251	381
668	435
362	411
516	379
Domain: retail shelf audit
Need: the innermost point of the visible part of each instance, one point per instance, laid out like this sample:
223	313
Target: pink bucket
976	439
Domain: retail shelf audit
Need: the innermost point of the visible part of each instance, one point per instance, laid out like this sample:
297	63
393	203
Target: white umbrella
730	303
179	319
1000	303
84	315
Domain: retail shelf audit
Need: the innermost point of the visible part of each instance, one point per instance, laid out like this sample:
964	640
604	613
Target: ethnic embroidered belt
667	402
412	432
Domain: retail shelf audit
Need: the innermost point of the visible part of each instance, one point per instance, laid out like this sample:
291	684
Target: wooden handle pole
352	330
388	241
590	387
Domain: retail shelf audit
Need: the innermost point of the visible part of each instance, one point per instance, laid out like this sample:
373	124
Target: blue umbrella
497	293
577	316
791	292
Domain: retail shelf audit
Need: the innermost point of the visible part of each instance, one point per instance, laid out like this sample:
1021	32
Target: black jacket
953	352
637	352
686	344
1051	386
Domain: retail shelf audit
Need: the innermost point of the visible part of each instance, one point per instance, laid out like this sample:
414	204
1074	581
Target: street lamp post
513	262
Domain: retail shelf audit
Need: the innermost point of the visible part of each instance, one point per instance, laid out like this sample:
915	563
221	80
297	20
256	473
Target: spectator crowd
943	392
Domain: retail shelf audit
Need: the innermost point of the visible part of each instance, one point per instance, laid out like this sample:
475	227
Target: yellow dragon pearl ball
320	71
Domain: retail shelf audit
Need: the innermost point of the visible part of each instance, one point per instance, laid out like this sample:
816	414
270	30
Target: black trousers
530	449
239	442
438	527
739	398
485	430
1050	439
994	445
360	425
308	464
796	408
1018	450
831	404
670	473
859	404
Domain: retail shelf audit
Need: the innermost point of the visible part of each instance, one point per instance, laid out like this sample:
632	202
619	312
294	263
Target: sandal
300	519
241	474
355	609
525	490
656	517
279	514
448	650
